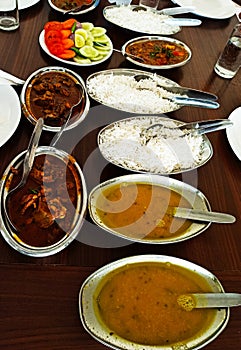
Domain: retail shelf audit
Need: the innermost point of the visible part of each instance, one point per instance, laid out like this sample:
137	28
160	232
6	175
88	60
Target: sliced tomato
68	23
65	33
52	36
56	49
53	25
68	43
67	54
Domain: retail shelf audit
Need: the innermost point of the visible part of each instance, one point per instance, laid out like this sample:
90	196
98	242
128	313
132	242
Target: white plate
23	4
217	9
73	63
139	21
234	132
10	112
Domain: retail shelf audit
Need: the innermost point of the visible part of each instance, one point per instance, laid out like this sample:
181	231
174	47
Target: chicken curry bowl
52	93
48	210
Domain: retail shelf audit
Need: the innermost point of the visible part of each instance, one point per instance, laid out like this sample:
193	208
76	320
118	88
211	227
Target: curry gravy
140	210
139	303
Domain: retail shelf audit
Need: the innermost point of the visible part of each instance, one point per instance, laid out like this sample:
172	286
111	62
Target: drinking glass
230	59
9	15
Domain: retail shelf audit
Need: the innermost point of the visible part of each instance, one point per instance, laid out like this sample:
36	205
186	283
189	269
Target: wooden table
39	296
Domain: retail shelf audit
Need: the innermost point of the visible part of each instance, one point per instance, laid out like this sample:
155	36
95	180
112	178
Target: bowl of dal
132	304
140	208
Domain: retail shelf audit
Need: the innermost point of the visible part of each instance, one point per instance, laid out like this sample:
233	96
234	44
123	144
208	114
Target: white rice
147	22
125	93
121	144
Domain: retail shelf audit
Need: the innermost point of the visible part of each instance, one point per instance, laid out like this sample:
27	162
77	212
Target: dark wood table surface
39	296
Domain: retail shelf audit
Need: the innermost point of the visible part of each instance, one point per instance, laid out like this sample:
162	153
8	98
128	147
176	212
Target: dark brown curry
43	210
51	95
158	52
71	4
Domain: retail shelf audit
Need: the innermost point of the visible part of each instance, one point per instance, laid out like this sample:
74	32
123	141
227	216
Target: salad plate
216	9
23	4
10	112
146	22
71	62
234	132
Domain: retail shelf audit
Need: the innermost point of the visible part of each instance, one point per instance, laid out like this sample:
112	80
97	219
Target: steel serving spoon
208	300
27	165
65	124
170	11
192	93
197	128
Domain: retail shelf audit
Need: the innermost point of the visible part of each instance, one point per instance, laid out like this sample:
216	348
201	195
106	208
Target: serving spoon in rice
197	128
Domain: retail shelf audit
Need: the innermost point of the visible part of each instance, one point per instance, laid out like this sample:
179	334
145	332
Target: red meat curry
44	208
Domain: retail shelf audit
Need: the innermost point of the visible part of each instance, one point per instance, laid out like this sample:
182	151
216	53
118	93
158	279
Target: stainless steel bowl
191	194
170	40
87	9
93	324
84	106
11	237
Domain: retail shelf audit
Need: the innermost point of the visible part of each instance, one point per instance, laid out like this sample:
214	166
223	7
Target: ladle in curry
27	164
208	300
65	124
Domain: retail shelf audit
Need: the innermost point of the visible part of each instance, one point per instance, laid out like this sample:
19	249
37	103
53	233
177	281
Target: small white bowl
83	108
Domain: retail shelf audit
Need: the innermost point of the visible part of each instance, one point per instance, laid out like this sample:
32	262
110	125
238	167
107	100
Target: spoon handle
209	300
32	146
183	22
195	102
201	215
176	10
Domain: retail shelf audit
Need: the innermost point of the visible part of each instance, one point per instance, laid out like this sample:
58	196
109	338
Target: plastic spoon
208	300
170	11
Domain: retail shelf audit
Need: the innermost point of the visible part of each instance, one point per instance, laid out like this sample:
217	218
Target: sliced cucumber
81	60
89	41
89	51
97	58
82	32
87	25
79	40
98	31
103	47
102	52
103	39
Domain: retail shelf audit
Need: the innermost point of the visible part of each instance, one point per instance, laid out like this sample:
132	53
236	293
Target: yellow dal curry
140	210
139	303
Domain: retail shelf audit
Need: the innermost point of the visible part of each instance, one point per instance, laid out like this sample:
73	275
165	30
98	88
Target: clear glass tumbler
229	61
9	15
